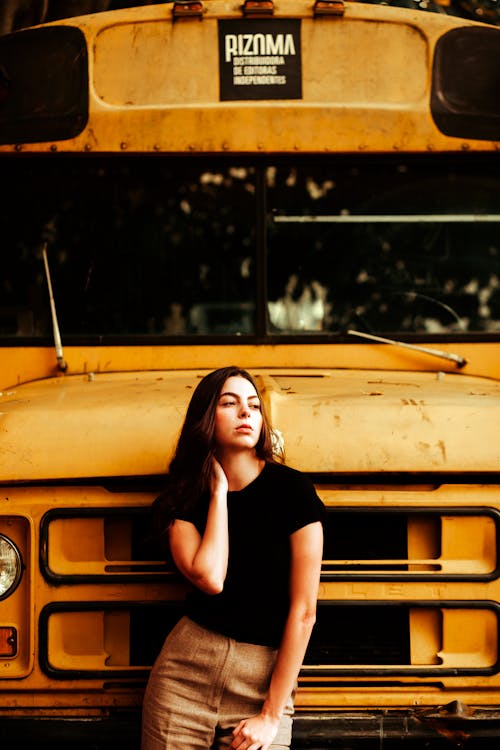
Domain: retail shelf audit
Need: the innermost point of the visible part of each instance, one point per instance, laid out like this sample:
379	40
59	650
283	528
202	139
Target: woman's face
238	418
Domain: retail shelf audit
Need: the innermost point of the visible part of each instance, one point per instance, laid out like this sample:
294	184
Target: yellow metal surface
441	638
469	638
17	610
89	640
92	638
23	364
154	85
126	424
177	62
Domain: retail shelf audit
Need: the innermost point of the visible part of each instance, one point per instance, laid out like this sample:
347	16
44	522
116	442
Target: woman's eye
255	406
228	403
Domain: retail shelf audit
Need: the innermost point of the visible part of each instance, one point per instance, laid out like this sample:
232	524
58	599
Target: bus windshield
164	247
395	248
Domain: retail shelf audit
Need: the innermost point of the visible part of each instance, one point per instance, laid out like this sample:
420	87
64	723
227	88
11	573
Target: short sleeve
302	504
197	515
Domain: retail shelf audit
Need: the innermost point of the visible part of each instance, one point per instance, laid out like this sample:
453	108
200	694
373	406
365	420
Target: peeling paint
70	426
442	448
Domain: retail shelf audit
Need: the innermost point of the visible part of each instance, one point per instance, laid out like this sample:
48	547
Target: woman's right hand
218	479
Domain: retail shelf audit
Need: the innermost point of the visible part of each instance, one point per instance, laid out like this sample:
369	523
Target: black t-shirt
253	605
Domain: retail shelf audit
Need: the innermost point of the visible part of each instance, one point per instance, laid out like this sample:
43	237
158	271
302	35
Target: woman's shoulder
286	474
284	470
295	495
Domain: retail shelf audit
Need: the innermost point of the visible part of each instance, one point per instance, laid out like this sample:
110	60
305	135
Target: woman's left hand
256	733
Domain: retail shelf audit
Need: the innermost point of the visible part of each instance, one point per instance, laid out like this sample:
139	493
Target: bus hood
342	421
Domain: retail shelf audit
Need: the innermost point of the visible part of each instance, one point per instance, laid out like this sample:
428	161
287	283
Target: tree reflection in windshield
397	250
167	247
135	247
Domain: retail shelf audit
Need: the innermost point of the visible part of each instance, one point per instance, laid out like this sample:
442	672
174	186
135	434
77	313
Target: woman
246	531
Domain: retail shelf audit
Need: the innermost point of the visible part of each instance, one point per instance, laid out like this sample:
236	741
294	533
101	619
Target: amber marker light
329	8
8	642
258	8
187	9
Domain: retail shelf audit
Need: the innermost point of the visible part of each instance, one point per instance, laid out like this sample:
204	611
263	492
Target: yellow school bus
309	190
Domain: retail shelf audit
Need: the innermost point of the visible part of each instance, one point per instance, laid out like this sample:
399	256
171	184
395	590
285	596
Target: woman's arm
203	559
258	732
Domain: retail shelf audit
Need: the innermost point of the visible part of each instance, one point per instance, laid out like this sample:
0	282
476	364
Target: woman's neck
240	468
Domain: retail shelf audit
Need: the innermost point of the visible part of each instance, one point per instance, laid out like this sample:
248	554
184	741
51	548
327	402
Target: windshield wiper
61	362
456	358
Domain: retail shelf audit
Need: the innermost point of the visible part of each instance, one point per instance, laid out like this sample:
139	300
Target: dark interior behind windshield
161	247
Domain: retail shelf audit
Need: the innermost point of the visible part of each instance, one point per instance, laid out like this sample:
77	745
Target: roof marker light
258	8
187	9
329	8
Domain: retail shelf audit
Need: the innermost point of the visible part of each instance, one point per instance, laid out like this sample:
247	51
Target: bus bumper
430	729
450	726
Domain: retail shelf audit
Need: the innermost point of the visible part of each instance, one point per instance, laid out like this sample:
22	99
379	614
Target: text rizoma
258	44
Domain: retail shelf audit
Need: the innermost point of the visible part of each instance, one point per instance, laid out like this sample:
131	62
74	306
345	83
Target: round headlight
11	566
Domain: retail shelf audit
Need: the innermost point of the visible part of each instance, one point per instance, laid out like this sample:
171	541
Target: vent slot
372	638
420	637
87	639
411	543
99	545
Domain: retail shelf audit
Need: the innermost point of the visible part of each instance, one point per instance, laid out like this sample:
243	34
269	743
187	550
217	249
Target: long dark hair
191	467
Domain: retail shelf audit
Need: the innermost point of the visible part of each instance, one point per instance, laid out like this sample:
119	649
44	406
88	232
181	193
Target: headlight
11	566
